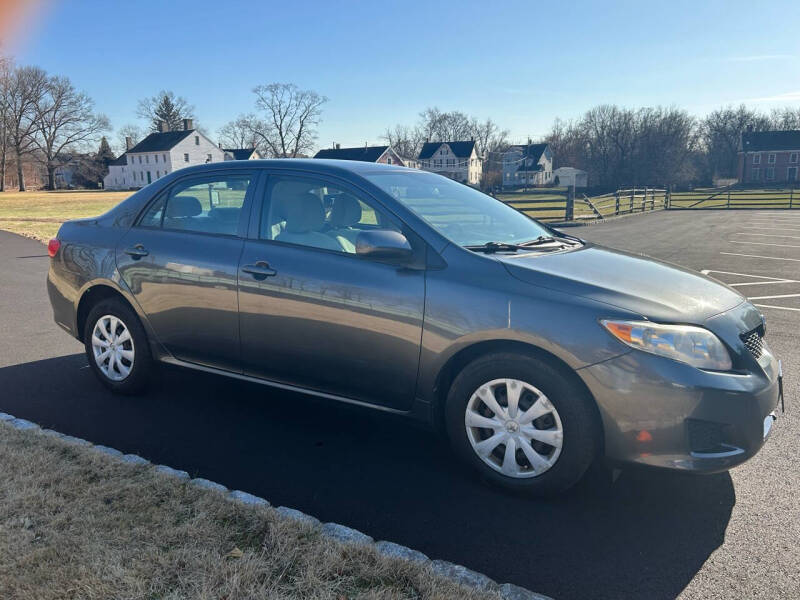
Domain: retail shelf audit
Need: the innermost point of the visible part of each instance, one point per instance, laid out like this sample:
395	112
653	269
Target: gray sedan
407	292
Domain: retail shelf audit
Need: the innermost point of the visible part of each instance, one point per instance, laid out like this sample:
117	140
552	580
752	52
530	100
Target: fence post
668	196
644	200
633	193
616	203
791	195
728	205
653	199
569	211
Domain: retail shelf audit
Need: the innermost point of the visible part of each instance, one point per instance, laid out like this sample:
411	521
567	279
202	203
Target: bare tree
6	69
406	141
128	131
240	133
165	106
785	118
291	116
721	132
27	86
64	120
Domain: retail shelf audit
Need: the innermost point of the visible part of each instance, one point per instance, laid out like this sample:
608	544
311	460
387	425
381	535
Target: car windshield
462	214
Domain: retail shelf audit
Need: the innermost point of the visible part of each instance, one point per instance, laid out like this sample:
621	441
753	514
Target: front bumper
662	413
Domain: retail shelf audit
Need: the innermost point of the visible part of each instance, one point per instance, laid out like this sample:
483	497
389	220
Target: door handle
260	271
136	252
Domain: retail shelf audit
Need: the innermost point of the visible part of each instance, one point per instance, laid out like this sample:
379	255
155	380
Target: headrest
346	211
183	206
304	213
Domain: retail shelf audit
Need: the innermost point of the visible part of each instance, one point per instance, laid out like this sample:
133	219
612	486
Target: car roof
321	165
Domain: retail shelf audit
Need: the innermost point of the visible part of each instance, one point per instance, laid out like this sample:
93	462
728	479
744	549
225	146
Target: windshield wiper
490	247
542	239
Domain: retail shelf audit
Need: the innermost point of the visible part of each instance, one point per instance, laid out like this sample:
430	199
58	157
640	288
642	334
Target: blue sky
380	63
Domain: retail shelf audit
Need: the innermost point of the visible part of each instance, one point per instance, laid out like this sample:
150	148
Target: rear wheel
116	347
521	423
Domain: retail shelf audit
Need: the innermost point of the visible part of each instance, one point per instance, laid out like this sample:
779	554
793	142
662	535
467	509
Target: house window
158	174
437	163
165	158
134	175
208	158
451	162
755	174
140	159
793	157
756	159
147	159
771	159
155	158
791	173
197	140
388	160
770	173
185	158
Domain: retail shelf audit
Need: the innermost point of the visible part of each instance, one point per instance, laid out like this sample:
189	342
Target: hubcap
112	346
514	428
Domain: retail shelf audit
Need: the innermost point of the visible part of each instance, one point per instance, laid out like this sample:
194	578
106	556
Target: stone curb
341	533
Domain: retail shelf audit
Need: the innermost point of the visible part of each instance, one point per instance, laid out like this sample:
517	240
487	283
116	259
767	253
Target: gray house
527	165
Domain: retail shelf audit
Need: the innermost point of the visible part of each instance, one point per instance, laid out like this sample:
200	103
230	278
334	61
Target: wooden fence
562	204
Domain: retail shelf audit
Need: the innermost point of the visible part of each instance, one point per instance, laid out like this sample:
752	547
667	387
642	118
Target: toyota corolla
400	290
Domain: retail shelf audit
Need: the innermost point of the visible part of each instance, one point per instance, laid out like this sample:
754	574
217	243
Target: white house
570	177
241	154
527	165
456	160
161	153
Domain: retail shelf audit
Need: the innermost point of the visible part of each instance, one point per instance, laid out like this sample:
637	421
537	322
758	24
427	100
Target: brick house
375	154
161	153
769	157
456	160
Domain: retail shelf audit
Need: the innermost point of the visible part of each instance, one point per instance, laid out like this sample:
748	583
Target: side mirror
383	244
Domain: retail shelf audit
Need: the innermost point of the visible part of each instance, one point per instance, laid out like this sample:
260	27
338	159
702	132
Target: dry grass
77	524
39	214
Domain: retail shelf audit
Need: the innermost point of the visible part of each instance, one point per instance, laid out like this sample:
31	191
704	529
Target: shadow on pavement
646	535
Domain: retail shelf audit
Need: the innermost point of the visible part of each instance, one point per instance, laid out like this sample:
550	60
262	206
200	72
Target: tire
563	414
132	365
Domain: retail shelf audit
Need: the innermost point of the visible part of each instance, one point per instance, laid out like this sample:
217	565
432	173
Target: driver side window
316	213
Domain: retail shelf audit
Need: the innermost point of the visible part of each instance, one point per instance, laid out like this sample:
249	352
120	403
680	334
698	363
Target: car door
315	314
180	262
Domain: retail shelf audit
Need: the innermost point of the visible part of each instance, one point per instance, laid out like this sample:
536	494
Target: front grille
705	436
754	340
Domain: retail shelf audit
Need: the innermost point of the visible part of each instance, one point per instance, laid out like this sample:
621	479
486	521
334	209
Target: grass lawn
39	214
767	198
75	523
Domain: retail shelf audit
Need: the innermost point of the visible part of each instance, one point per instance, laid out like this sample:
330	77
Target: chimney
163	127
220	145
750	128
187	124
338	146
128	142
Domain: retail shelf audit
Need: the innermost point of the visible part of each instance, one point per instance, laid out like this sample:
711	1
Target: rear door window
207	205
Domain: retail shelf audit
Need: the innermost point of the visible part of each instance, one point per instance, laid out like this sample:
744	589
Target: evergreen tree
104	154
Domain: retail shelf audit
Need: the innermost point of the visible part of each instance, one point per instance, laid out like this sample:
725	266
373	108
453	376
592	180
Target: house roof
460	149
362	153
240	153
755	141
533	151
121	160
157	142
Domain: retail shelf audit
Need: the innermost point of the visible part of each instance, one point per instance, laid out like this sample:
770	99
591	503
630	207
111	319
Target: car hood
654	289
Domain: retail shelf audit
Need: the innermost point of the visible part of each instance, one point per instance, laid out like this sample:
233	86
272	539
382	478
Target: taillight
53	246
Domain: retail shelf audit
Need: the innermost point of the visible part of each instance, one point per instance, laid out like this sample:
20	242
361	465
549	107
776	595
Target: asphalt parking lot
654	535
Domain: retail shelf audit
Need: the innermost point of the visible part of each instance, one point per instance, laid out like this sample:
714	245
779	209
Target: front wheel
116	347
521	423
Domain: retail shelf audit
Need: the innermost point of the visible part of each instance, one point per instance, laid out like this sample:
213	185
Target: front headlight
693	345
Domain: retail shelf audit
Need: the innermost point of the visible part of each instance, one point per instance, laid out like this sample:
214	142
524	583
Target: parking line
763	244
778	307
793	237
758	256
771	297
